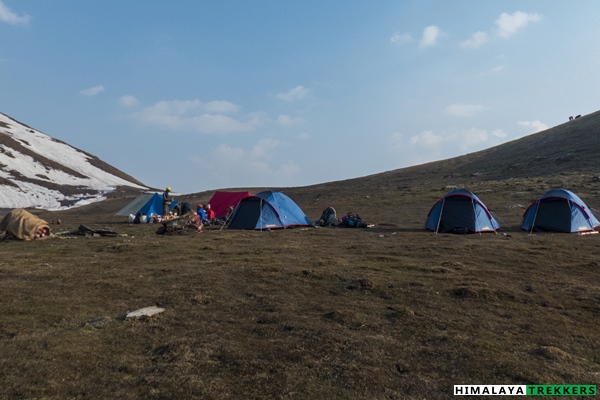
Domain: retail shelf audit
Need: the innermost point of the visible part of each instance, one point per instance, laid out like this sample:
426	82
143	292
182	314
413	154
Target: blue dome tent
267	210
147	204
460	211
559	210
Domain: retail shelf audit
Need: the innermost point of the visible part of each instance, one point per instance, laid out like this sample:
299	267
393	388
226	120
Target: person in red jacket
210	214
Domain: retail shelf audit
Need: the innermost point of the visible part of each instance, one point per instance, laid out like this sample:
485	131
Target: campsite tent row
558	210
458	211
265	210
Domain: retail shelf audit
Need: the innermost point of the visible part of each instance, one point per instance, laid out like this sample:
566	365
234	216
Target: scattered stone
361	284
400	314
553	353
453	264
407	312
471	292
98	323
350	319
146	312
402	368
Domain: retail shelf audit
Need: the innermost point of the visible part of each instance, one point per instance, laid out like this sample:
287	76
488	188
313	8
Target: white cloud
493	70
463	110
471	138
533	126
401	38
477	40
92	91
509	24
428	145
304	136
296	93
195	116
430	36
499	133
222	106
257	165
128	101
286	120
426	138
6	15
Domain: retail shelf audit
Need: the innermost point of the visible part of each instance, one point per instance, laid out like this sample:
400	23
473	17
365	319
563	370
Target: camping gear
352	220
267	210
23	225
220	201
328	217
559	210
147	204
180	224
460	211
90	232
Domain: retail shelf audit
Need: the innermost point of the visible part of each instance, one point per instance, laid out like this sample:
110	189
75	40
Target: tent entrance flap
457	214
248	213
553	215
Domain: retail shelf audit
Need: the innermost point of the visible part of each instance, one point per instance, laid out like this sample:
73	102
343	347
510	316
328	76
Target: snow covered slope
41	172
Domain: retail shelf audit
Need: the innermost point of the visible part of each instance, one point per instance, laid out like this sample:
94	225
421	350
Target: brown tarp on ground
23	225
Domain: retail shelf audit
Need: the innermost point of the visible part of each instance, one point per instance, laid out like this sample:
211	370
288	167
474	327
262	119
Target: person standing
166	202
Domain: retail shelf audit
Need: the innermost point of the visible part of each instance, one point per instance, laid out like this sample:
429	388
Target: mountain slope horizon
569	147
38	171
566	148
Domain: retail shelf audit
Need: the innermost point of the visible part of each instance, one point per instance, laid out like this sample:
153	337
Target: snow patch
19	169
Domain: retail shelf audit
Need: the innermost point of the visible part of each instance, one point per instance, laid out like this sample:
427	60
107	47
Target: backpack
354	221
328	217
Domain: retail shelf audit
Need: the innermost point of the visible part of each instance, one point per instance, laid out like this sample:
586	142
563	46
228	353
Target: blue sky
202	95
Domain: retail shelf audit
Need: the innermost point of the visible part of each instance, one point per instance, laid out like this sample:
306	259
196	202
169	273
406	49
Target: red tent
221	200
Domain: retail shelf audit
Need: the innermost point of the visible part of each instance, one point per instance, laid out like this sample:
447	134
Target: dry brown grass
392	312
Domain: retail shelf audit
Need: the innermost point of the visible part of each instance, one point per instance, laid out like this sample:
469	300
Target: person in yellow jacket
166	202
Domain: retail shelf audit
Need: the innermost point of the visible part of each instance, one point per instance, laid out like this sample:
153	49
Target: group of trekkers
203	214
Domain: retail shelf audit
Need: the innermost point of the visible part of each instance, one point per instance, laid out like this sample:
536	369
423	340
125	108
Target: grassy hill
391	312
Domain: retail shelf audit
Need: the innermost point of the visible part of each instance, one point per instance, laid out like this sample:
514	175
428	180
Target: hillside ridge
38	171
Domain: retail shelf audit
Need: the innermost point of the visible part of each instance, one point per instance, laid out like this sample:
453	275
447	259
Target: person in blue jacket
201	214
